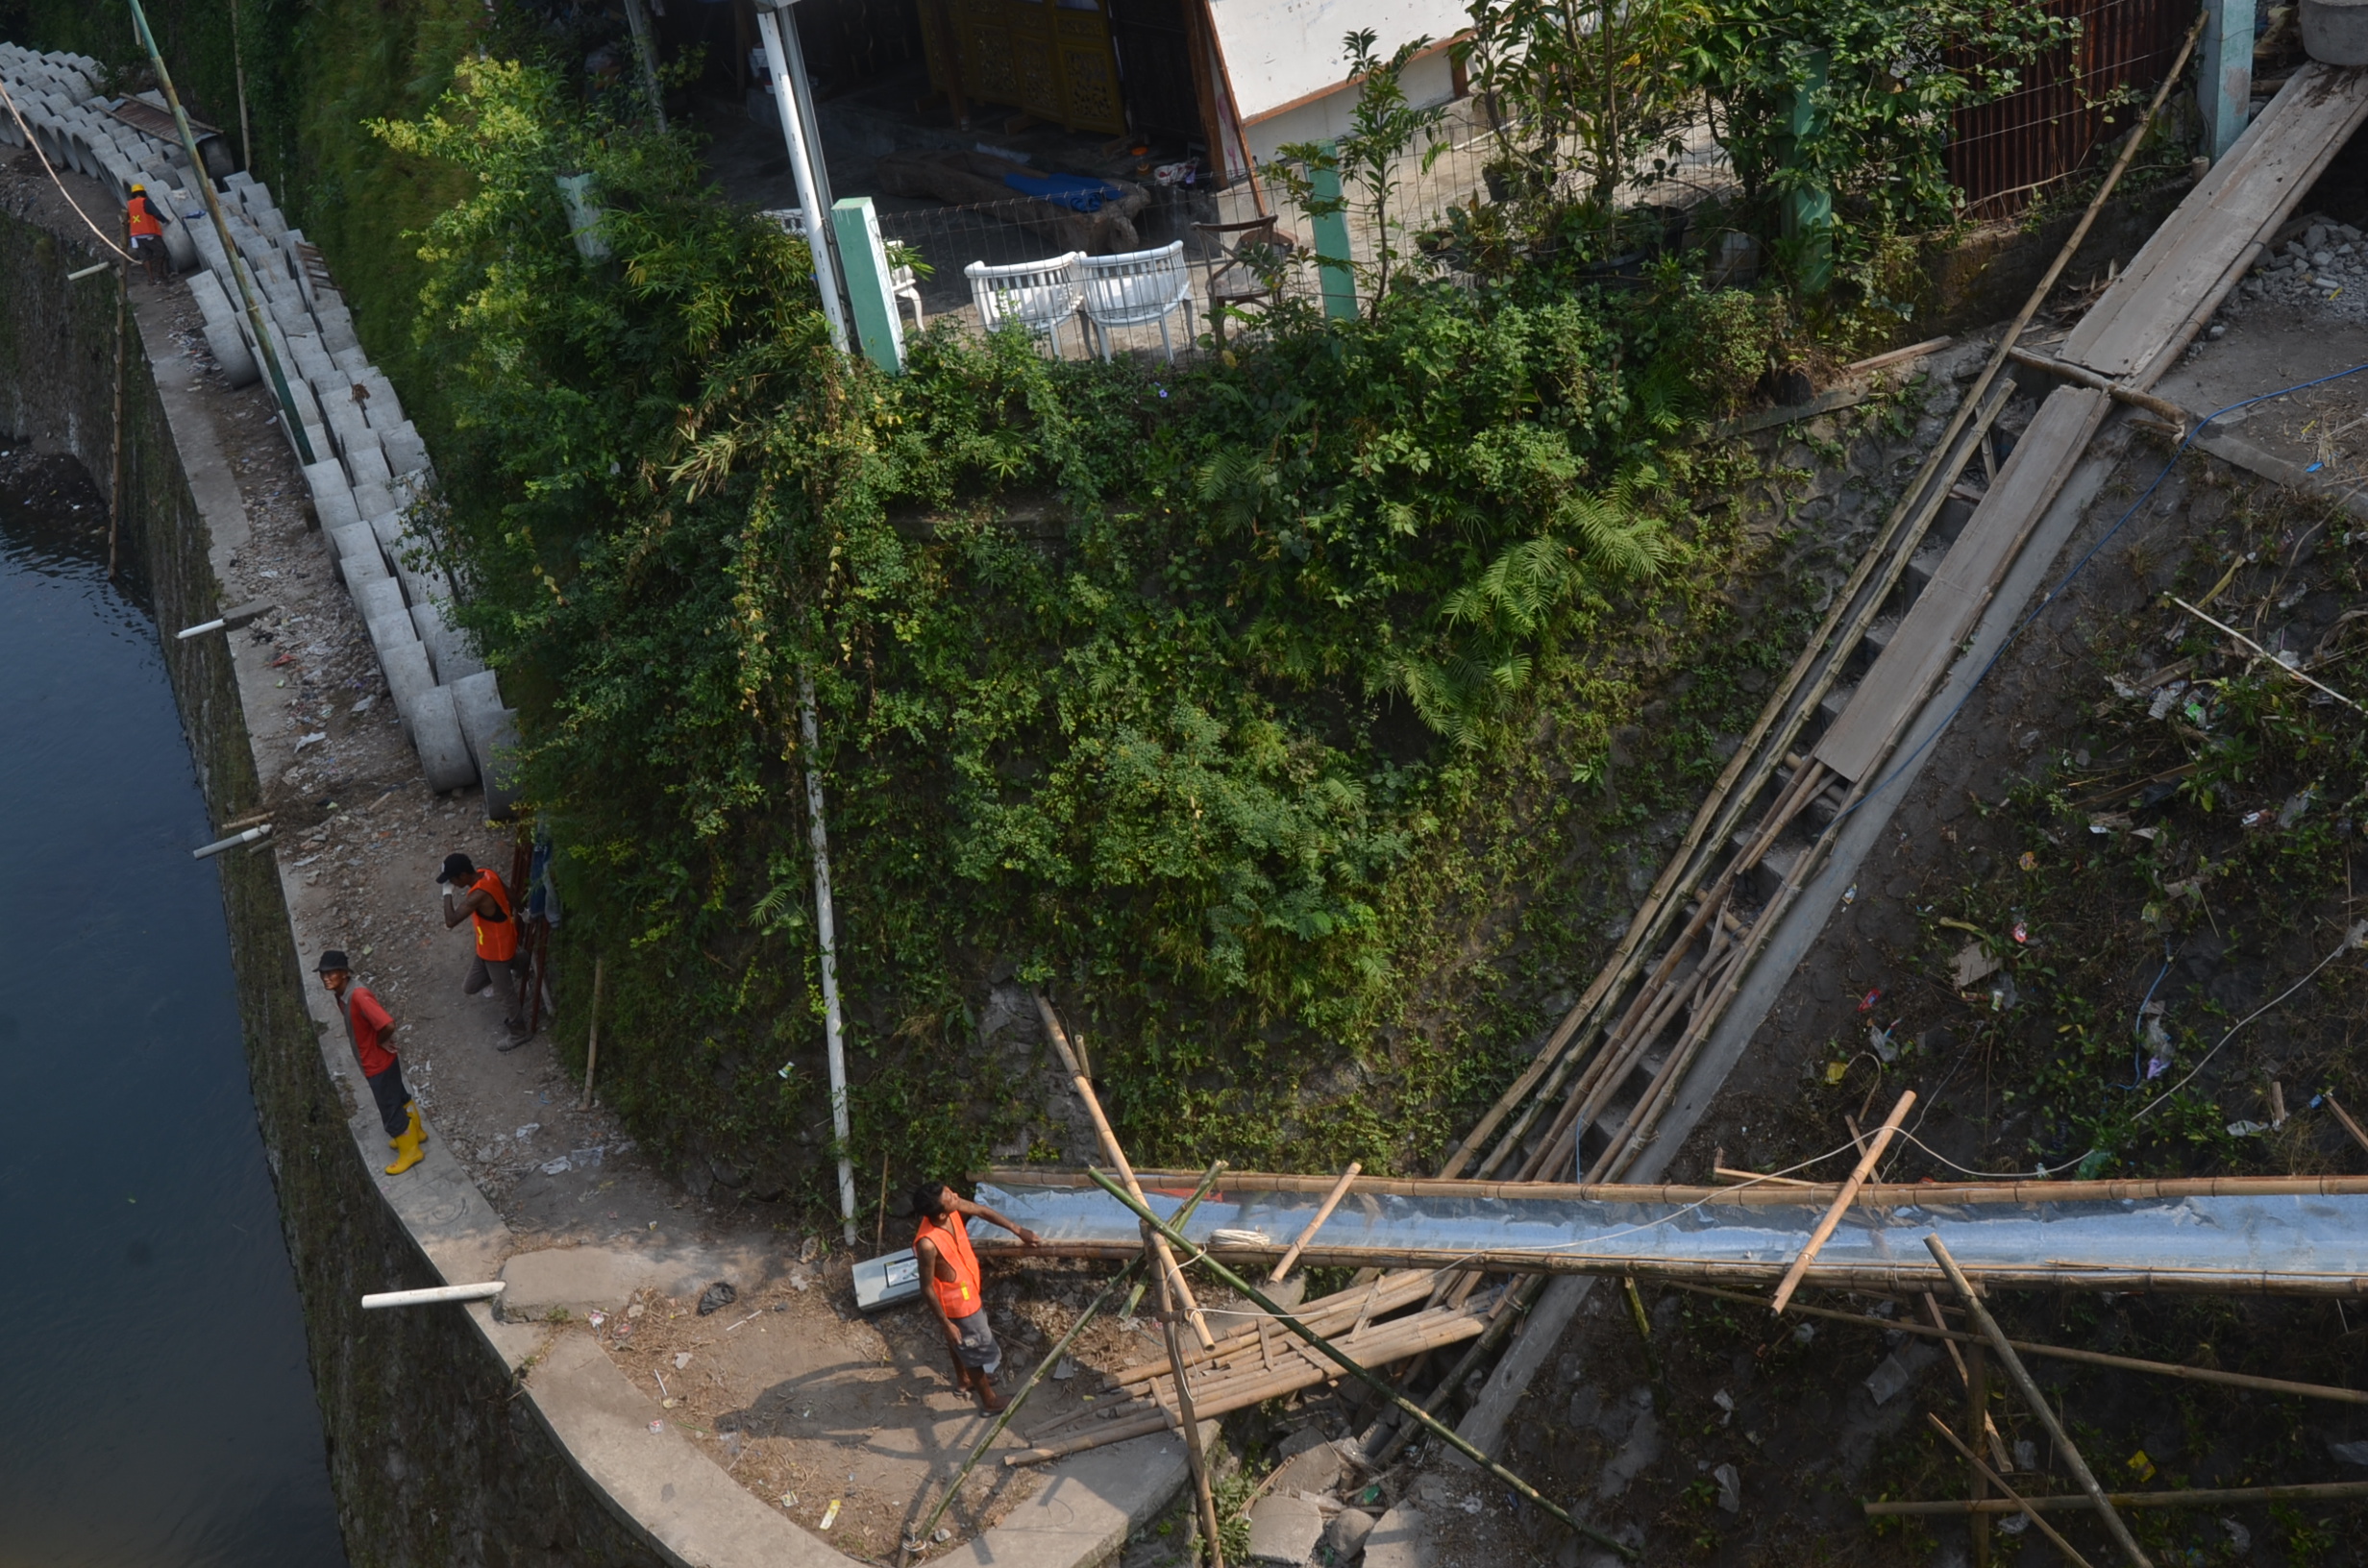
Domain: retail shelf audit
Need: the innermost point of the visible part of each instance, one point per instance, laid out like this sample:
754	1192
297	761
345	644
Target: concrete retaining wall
433	1462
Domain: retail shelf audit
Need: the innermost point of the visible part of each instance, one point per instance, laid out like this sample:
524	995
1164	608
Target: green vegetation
1286	714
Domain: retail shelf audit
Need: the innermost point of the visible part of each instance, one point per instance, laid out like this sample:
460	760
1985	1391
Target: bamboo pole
2065	1353
1772	1191
1972	1369
1188	1423
2020	1377
1059	1037
2031	1513
2349	1125
1867	1161
1372	1379
1893	1276
826	941
1977	1419
1324	1314
1324	1211
1510	1310
592	1047
1050	1359
2314	1491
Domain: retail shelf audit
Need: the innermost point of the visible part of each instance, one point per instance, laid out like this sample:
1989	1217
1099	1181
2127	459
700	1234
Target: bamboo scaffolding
2066	1353
1175	1276
2036	1401
1898	1277
1775	1192
2200	1497
2007	1493
1188	1420
1386	1343
1324	1314
1832	1217
1324	1211
1365	1375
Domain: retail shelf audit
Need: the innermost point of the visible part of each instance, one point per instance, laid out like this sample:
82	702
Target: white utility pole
840	1125
785	97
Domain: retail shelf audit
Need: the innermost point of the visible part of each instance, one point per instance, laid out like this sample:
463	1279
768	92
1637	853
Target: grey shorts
978	1349
483	971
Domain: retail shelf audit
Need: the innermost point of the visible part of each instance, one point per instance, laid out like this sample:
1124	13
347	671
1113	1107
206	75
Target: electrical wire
34	142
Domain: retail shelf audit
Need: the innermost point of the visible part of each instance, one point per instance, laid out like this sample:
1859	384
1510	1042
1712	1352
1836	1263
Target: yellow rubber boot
415	1130
407	1151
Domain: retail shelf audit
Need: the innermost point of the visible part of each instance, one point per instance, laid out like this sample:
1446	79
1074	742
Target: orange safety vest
497	940
144	222
960	1296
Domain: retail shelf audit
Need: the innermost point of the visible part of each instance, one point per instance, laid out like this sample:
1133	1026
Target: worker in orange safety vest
468	894
942	1243
147	226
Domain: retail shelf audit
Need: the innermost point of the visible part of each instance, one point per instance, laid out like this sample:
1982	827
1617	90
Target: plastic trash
716	1297
1973	964
830	1515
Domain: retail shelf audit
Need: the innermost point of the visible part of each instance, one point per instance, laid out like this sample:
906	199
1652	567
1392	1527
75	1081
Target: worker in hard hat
147	224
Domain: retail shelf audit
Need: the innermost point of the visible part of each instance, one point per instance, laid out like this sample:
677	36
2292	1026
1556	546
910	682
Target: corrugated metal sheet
2006	153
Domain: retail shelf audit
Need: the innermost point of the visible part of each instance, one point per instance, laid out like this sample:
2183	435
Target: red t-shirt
368	1024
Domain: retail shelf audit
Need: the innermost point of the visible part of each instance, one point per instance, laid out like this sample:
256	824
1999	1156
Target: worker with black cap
370	1029
468	894
146	225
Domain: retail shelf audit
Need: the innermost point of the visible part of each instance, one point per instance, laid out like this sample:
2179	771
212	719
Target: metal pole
841	1129
817	216
222	231
646	47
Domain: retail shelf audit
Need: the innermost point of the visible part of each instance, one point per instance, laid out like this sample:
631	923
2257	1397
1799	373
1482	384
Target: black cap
332	960
457	867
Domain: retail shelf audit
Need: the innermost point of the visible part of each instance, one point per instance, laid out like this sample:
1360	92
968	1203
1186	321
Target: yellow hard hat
139	190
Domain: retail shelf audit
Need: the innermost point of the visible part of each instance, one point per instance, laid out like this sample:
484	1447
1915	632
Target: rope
34	142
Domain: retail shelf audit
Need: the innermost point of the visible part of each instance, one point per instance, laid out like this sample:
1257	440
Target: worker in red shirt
369	1029
147	226
942	1242
468	894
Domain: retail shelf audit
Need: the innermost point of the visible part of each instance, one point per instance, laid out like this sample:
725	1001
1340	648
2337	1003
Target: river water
156	1409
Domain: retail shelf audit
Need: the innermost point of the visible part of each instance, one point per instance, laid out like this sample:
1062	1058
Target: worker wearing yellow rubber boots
369	1028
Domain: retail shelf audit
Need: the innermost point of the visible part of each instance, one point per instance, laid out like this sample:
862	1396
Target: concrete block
405	664
326	477
353	361
374	500
1285	1530
379	599
405	452
2335	31
355	539
449	654
492	734
392	629
435	735
213	301
336	510
369	466
362	567
1312	1469
228	348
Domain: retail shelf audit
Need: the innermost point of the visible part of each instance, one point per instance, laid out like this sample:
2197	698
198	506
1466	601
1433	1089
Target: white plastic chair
1137	287
1039	295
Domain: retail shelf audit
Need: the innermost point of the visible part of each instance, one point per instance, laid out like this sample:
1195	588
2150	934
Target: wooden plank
2245	195
1937	621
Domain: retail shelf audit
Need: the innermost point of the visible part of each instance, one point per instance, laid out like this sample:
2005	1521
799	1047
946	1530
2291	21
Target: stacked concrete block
370	466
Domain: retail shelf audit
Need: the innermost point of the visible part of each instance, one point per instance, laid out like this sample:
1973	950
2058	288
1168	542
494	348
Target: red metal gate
2006	154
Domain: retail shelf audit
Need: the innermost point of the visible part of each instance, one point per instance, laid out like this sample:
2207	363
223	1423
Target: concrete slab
1285	1529
1400	1541
581	1279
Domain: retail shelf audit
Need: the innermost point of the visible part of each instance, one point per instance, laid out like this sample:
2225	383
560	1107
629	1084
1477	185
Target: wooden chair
1252	253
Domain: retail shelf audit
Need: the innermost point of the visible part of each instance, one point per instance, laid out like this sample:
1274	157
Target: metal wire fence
1251	241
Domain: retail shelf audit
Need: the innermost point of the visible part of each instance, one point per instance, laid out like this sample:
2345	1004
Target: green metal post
222	229
870	289
2224	88
1809	210
1331	225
